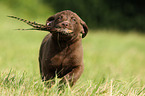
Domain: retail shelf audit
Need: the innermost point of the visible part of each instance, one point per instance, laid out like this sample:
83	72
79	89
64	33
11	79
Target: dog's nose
65	24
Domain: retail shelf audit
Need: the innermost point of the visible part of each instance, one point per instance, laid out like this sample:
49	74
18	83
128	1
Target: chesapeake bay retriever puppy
61	51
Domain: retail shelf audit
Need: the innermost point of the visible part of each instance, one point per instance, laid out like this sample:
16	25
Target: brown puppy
61	51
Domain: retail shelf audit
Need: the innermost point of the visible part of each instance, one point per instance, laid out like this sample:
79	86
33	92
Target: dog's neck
65	41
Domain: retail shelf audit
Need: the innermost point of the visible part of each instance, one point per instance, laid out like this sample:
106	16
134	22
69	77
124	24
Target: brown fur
61	51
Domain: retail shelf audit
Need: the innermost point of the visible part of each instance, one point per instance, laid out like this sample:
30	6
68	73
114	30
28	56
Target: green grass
114	62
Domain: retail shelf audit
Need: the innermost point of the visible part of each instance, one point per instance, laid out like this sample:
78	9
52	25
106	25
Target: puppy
61	51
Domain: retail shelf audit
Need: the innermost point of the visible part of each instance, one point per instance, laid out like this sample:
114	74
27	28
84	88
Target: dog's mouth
63	31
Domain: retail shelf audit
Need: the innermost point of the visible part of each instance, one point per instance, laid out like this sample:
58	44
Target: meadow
114	63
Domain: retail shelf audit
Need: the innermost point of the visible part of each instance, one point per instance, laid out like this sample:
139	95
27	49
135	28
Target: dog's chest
65	58
62	58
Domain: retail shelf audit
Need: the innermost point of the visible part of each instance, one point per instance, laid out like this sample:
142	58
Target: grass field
114	63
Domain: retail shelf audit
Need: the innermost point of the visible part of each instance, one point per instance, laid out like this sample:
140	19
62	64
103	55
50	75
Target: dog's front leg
72	76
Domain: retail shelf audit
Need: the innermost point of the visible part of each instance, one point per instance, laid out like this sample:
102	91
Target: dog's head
67	23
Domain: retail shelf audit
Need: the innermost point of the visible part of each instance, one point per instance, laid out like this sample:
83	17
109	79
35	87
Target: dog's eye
73	19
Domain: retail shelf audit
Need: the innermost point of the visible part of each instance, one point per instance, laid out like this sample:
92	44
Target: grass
114	63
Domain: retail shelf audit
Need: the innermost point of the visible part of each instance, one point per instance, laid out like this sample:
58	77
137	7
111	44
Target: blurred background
98	14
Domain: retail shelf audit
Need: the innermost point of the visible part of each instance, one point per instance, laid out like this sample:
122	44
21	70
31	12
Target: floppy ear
85	29
50	20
